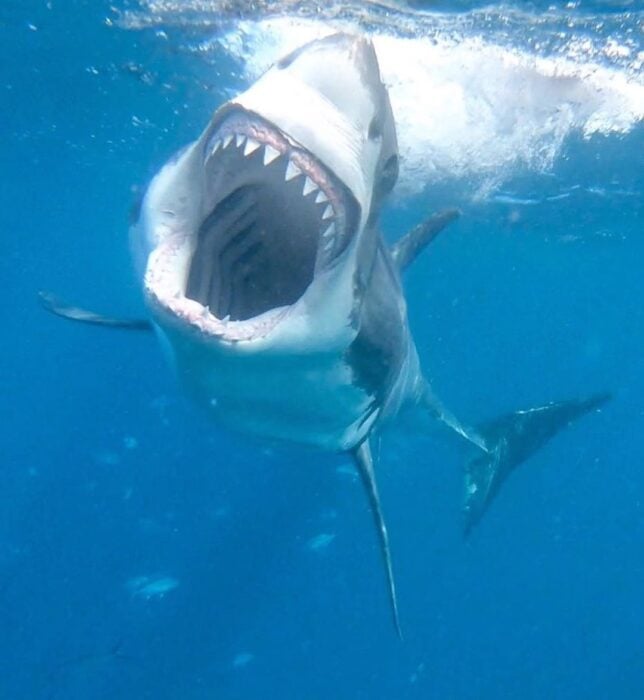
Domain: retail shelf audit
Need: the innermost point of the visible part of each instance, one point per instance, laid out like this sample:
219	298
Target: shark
272	290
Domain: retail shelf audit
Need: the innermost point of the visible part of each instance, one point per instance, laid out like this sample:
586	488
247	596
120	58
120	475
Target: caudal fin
511	440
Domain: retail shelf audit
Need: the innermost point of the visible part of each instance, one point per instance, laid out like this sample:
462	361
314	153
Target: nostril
286	61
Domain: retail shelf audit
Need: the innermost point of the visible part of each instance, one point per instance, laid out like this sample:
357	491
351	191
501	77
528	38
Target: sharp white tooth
205	312
225	319
239	140
215	148
270	154
328	212
291	171
309	186
251	147
329	233
227	140
321	198
328	244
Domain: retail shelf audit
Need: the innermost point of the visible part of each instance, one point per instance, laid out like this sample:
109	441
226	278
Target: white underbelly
310	399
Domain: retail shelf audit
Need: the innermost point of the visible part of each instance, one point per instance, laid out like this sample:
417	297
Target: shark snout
343	68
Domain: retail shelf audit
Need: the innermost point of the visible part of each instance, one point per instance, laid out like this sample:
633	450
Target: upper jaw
272	217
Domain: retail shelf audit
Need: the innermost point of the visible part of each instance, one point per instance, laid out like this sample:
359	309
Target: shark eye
375	129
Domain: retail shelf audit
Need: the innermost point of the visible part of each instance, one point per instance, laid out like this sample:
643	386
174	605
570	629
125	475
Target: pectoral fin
74	313
364	462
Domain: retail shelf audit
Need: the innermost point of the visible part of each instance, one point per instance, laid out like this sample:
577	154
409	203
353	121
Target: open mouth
274	217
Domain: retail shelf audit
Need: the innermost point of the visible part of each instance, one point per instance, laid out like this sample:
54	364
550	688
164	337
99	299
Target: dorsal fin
364	462
74	313
406	250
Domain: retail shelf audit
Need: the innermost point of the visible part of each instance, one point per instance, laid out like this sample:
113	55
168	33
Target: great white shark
273	291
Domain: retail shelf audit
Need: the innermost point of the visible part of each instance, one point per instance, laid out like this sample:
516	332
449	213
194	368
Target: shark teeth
309	186
292	171
328	238
270	154
329	233
251	146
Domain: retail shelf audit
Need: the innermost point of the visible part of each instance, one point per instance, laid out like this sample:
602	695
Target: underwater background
144	553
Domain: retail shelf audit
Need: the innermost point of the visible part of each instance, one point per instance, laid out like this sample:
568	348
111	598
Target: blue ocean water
144	553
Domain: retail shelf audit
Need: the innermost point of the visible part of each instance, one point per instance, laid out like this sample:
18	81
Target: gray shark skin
271	289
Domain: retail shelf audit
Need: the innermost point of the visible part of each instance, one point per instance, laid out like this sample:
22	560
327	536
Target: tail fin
511	440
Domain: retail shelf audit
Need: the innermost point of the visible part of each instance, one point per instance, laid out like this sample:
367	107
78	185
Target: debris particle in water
130	443
108	458
329	514
415	676
221	512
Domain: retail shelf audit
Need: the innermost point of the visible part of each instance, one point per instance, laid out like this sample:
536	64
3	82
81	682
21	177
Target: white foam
469	106
478	94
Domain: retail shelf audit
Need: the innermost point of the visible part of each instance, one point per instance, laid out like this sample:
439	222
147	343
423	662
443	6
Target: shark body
272	290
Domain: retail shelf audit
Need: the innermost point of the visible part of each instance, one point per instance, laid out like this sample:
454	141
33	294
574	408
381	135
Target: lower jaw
164	287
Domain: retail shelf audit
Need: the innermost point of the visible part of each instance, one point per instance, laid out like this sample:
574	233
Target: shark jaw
272	219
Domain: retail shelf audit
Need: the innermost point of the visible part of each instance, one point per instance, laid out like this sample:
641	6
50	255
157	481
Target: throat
255	252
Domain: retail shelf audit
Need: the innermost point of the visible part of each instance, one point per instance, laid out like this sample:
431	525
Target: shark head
254	237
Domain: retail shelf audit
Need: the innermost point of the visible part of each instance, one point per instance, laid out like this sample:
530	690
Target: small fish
320	541
242	659
148	587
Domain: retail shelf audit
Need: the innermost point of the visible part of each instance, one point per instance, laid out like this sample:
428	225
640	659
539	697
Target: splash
477	95
468	107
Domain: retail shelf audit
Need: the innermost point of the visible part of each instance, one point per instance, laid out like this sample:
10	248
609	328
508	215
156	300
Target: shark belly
309	399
